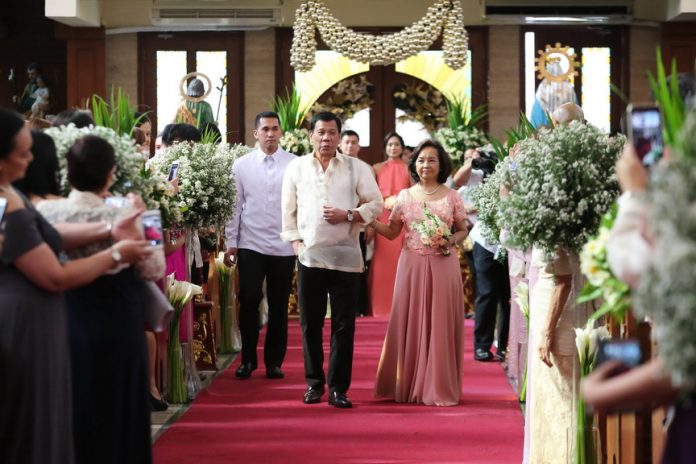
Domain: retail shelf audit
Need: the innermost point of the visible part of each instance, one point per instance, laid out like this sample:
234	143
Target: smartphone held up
627	352
152	226
644	127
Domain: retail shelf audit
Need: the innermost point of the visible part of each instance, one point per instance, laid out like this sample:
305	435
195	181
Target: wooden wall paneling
86	63
679	42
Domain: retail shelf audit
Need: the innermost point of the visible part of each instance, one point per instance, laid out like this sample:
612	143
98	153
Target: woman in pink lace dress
423	350
392	178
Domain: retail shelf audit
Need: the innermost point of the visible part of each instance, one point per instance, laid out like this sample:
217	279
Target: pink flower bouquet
434	232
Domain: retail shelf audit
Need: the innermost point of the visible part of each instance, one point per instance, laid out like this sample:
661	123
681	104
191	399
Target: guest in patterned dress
423	350
111	406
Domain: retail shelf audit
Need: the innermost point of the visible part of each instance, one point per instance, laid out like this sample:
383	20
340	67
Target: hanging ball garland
443	17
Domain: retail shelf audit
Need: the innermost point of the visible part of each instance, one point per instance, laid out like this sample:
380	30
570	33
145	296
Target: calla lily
522	298
179	293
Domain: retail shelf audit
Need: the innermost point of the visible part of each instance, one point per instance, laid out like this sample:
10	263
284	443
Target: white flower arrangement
297	142
456	142
587	342
131	174
129	161
206	187
486	198
560	186
601	281
666	292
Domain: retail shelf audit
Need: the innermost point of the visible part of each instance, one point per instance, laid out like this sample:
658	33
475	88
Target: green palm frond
290	109
670	102
457	116
116	114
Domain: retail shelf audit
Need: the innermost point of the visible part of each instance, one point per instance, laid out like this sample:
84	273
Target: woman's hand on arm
461	233
41	266
390	230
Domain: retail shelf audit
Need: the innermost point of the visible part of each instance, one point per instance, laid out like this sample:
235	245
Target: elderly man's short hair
566	113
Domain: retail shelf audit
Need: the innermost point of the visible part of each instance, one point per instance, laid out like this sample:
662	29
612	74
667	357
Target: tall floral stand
186	328
224	298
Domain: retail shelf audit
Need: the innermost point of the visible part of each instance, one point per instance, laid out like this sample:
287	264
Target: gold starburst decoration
549	55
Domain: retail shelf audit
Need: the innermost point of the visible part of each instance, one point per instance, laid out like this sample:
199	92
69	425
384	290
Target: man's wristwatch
349	215
116	255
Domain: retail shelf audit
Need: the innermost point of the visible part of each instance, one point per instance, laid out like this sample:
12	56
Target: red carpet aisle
264	421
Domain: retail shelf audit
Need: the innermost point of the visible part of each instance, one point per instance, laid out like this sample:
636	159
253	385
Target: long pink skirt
423	350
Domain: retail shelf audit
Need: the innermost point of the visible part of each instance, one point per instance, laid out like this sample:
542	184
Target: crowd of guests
74	349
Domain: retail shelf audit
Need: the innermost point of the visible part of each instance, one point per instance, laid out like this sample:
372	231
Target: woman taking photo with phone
106	320
35	394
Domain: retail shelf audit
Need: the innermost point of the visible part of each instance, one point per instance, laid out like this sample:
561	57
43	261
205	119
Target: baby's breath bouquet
666	292
434	232
486	198
457	141
296	141
561	185
131	173
129	161
206	187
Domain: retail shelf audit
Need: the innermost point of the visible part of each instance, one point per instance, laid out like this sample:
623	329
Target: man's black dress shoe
274	372
157	404
312	396
244	371
482	355
339	400
500	356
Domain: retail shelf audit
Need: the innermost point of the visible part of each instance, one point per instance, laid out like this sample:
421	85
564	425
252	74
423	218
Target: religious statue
556	88
194	109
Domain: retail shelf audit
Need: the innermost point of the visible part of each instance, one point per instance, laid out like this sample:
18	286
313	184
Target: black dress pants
254	267
492	290
362	300
313	286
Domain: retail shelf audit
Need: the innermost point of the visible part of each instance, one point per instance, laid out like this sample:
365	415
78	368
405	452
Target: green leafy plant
116	114
290	109
523	131
210	135
670	102
457	109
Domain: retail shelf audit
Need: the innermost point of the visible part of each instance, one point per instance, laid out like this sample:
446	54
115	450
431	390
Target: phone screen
152	226
628	352
646	133
3	205
116	202
172	171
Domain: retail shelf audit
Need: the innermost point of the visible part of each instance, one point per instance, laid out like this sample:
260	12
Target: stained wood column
86	63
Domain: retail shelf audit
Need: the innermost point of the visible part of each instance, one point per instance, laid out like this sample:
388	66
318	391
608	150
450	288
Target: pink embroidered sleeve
459	208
